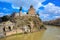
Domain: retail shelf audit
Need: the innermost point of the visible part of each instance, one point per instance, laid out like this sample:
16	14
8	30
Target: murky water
52	33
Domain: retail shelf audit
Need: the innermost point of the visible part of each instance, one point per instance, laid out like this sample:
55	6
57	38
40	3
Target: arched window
4	29
9	28
29	27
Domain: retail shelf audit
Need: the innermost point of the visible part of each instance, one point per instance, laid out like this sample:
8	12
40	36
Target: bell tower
20	11
31	11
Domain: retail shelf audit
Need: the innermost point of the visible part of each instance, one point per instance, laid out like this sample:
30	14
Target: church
31	12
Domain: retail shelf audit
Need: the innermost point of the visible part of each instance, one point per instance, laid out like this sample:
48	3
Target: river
51	33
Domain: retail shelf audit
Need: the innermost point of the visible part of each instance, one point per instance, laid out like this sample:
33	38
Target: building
8	25
31	11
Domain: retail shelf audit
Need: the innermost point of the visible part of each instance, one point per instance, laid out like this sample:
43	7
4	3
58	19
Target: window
9	28
4	29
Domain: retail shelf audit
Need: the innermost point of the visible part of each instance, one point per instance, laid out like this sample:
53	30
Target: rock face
19	23
1	32
30	21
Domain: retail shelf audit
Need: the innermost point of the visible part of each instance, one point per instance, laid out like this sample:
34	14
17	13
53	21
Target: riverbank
29	36
52	25
51	33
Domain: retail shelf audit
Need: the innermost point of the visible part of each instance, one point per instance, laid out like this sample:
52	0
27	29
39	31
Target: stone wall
16	31
1	32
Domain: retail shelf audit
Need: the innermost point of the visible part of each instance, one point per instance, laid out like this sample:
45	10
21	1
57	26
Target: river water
51	33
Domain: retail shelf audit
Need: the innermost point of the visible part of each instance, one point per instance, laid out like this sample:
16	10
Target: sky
47	9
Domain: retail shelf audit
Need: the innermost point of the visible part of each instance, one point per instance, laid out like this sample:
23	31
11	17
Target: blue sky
48	9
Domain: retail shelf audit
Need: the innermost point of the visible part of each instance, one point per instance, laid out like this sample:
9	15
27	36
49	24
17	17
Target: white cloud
57	16
1	14
25	3
15	7
44	15
51	8
50	11
7	14
4	8
24	12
